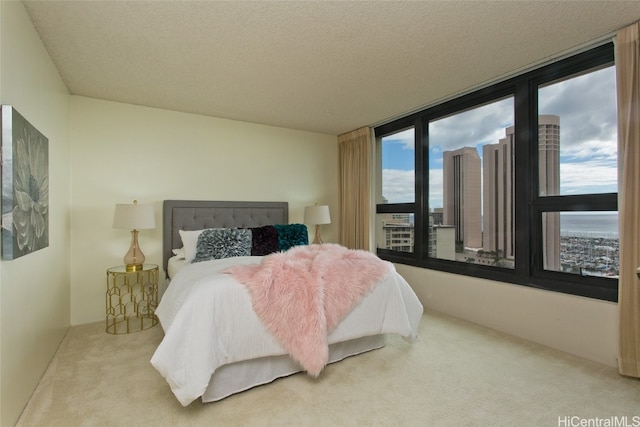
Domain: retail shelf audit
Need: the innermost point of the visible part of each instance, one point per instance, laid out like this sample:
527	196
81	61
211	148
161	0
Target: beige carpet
456	374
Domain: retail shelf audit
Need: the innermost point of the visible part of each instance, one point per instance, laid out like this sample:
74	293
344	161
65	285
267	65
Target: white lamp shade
317	215
134	217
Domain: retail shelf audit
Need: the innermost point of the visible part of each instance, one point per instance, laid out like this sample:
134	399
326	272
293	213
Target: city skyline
483	214
588	155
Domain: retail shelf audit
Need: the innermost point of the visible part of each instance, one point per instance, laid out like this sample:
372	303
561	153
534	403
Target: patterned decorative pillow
290	235
218	243
264	240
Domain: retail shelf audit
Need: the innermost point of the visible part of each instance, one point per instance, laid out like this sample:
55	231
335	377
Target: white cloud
405	137
588	177
592	149
482	125
586	106
398	186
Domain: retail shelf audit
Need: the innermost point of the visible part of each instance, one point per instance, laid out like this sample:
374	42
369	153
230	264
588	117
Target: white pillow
179	253
189	243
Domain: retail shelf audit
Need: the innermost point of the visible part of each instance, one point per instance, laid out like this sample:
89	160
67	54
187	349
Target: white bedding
176	264
209	322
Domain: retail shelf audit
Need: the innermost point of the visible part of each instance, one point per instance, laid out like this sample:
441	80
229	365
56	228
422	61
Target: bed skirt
240	376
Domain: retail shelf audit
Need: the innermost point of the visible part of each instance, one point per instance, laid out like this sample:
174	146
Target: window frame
529	205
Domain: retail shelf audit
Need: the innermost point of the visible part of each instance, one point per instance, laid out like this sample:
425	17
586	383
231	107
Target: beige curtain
628	83
354	153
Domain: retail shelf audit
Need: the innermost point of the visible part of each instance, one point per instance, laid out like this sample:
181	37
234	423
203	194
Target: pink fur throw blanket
302	294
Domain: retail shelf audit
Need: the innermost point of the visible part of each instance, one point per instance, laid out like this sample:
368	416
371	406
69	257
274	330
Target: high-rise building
498	229
549	185
443	242
437	215
462	195
498	183
398	232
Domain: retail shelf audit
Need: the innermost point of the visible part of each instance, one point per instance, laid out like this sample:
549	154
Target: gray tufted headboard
201	214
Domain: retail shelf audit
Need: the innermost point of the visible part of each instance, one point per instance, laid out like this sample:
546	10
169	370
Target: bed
217	344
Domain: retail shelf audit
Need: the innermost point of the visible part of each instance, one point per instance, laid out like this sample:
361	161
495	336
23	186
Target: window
578	160
471	187
578	123
395	228
398	167
516	182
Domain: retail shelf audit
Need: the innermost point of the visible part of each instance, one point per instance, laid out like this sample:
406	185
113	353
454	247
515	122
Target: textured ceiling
321	66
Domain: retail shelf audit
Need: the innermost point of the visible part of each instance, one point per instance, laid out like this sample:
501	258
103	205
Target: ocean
593	224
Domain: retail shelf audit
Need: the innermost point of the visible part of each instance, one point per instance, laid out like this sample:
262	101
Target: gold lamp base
134	259
317	240
133	267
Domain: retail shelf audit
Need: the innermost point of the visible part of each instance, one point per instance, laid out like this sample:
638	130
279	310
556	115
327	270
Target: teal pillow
290	235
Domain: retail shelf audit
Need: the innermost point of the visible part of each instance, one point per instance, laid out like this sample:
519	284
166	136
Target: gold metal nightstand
132	298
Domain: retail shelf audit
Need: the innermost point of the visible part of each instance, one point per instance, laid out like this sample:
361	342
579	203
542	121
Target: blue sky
588	145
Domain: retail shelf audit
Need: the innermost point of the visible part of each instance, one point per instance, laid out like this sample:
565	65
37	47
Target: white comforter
209	321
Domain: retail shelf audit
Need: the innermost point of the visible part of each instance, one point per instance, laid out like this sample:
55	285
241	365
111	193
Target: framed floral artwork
25	186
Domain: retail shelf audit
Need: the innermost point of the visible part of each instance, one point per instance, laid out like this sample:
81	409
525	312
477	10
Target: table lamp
134	217
317	215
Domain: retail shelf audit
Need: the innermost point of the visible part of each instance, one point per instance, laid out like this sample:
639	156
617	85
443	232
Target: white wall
34	289
123	152
577	325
